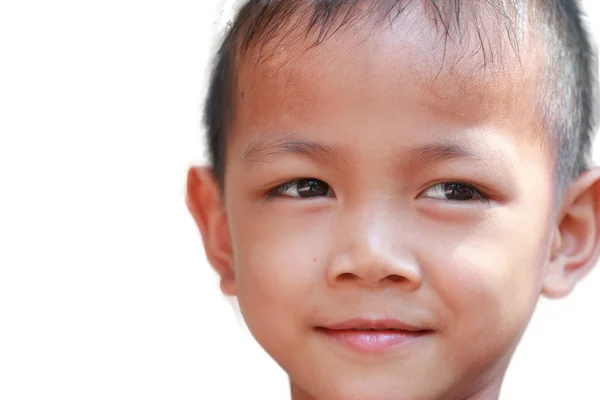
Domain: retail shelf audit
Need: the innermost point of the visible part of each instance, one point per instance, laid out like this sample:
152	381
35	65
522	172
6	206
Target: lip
366	323
374	336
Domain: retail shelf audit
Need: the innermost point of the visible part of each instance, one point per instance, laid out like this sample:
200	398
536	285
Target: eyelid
477	186
481	194
275	191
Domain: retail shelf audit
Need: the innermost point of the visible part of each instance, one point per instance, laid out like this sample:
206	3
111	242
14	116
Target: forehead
365	71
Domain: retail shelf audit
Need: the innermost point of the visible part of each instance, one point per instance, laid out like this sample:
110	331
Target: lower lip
368	341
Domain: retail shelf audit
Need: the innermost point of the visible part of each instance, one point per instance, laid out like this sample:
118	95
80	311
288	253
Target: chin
363	389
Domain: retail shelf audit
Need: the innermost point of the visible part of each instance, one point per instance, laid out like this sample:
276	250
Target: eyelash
443	187
279	191
472	190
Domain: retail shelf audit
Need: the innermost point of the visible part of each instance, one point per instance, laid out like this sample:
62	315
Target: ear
576	243
203	200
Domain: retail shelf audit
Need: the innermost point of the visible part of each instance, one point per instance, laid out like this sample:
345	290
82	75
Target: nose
373	251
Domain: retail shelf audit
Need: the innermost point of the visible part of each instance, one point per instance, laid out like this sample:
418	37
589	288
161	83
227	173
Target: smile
372	336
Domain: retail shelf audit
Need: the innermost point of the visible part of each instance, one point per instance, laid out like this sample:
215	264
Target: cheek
490	281
488	285
278	265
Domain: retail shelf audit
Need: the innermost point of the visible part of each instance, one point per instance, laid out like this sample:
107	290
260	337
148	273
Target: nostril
346	276
396	278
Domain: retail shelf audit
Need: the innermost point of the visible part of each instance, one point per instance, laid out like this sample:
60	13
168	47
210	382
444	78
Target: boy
395	183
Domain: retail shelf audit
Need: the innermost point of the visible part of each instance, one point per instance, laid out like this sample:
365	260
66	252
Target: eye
302	189
454	192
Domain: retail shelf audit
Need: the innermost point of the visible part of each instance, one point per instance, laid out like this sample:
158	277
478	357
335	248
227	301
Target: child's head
415	166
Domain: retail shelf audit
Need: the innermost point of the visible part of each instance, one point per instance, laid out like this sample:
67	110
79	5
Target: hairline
247	35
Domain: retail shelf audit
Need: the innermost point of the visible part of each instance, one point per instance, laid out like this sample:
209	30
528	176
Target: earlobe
576	242
203	199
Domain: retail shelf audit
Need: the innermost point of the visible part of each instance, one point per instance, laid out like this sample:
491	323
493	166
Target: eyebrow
439	152
262	150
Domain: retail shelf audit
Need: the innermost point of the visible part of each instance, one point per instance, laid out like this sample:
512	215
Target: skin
380	125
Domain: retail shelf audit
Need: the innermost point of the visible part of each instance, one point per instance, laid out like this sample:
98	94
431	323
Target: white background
104	289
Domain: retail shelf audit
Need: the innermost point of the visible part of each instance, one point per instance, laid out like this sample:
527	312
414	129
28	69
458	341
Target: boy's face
415	195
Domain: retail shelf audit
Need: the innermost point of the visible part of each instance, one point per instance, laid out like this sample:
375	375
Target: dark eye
303	188
454	191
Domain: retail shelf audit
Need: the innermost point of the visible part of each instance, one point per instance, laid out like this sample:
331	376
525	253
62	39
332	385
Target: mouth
365	324
372	335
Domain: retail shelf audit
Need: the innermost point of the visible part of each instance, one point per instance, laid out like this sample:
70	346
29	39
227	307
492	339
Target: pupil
456	191
312	188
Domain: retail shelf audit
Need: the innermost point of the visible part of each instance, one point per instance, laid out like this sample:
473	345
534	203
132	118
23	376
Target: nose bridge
373	247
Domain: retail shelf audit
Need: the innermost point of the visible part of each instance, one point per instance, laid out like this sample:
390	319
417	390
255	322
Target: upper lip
368	323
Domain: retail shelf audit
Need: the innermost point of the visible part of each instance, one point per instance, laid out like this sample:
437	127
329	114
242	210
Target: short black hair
569	100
